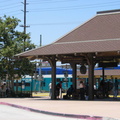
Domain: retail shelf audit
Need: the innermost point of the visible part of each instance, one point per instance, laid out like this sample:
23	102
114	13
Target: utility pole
24	26
40	40
24	17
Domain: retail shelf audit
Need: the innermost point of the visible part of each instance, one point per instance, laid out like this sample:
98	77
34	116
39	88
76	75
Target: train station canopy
100	35
95	41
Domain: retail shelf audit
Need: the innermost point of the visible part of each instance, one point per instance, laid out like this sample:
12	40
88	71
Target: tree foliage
11	43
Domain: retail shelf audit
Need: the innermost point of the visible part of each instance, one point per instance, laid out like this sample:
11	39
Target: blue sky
54	18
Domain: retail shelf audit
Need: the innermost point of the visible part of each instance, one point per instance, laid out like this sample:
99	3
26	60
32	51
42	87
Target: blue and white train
28	83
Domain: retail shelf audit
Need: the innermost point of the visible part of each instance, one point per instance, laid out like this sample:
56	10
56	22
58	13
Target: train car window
27	84
42	84
19	84
66	84
44	72
71	80
58	79
62	79
48	72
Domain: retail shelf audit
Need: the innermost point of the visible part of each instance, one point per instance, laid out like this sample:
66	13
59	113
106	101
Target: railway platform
102	109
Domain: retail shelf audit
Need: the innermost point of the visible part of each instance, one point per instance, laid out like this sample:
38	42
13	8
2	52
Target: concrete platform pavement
97	110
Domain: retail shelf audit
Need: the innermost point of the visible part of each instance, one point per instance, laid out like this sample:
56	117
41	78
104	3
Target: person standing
58	89
50	89
86	90
102	87
82	91
115	88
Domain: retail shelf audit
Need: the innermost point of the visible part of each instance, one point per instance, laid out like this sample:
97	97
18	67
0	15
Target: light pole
40	78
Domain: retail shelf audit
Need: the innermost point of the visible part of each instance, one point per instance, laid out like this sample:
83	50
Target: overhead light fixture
83	69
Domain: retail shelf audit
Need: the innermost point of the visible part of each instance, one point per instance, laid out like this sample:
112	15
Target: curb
59	114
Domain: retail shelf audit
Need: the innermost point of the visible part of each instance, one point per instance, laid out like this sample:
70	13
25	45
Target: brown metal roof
99	34
78	47
103	26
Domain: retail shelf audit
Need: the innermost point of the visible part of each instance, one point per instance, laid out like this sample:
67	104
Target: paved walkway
12	113
72	108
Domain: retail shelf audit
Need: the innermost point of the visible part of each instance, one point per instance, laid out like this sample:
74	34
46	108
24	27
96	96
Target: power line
17	13
67	8
75	7
3	1
11	4
62	1
47	1
10	7
12	11
60	23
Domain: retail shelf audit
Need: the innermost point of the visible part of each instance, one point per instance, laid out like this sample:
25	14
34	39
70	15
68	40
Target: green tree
11	43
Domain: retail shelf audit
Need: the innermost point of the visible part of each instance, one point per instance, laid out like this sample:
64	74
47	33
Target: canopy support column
103	73
73	65
53	65
90	76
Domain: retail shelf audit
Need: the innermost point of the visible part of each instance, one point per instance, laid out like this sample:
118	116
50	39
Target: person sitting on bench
70	91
